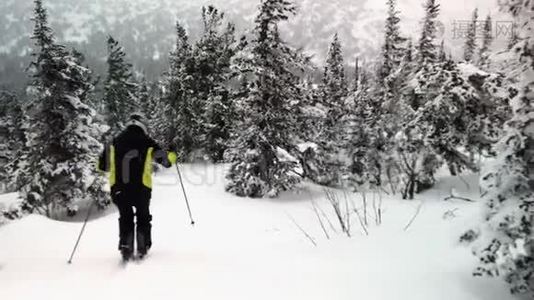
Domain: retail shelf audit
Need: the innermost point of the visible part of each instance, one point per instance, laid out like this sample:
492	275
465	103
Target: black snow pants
126	201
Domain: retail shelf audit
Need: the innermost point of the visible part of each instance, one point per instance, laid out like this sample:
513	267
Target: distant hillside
145	27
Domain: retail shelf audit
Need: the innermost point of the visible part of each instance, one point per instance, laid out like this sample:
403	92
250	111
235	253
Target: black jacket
129	152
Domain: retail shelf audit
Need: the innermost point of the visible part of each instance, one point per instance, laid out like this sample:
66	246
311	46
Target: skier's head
137	119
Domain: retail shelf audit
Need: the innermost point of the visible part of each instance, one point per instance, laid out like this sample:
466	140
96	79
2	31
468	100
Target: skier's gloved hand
172	157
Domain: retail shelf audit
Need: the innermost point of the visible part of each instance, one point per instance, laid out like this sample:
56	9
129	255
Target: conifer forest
326	149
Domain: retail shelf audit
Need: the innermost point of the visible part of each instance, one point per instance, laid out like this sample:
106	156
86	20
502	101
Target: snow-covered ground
251	249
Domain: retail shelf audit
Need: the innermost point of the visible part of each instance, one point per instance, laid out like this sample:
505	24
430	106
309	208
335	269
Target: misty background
145	28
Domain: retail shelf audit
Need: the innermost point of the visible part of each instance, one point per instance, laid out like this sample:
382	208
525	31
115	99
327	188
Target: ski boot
126	254
143	243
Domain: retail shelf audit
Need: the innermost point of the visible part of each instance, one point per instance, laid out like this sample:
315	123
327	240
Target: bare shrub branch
309	237
414	216
315	210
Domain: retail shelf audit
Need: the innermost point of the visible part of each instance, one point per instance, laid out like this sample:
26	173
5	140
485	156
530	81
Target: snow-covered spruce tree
426	48
460	112
119	88
395	63
333	90
6	124
449	119
363	167
220	116
487	40
160	115
379	113
213	54
185	125
14	151
144	96
260	162
415	162
334	87
154	108
309	123
393	47
471	38
12	139
393	51
506	244
60	170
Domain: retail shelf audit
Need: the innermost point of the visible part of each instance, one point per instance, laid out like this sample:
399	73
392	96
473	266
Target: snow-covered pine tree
14	124
309	123
427	57
119	88
334	85
487	40
393	47
12	139
506	245
334	89
183	134
6	153
220	116
213	54
260	161
427	42
363	167
60	171
94	99
393	52
414	161
161	116
471	38
384	120
463	115
144	96
149	99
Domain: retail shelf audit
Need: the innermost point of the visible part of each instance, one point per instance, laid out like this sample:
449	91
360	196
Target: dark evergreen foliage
261	164
59	172
119	88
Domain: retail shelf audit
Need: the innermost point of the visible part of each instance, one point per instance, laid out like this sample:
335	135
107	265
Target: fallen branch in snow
302	230
459	198
450	214
413	218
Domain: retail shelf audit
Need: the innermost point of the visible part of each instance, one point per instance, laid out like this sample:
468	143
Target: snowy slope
250	249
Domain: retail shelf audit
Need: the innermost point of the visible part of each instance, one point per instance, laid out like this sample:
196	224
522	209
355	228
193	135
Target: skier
129	162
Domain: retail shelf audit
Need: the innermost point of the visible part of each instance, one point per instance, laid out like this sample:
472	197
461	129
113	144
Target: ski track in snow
249	249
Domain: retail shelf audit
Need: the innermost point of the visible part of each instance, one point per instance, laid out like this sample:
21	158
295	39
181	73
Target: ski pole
185	195
81	232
